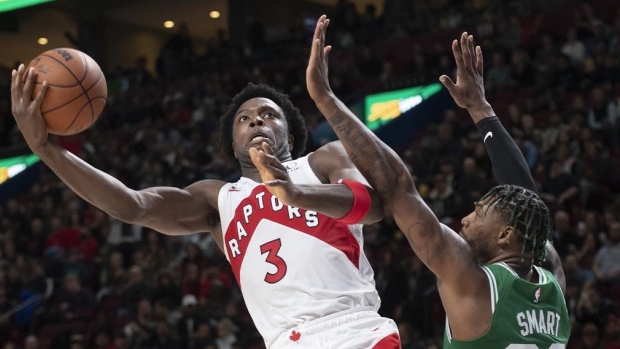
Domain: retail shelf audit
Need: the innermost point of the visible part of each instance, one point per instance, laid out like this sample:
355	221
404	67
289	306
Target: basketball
76	93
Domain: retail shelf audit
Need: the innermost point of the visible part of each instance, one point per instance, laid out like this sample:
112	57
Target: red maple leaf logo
295	336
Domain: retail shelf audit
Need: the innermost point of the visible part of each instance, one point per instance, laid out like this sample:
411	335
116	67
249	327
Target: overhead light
214	14
169	24
42	41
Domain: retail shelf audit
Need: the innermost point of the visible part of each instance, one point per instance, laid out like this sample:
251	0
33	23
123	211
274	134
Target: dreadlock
524	210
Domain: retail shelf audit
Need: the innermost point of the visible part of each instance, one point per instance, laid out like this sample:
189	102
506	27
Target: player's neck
251	173
525	268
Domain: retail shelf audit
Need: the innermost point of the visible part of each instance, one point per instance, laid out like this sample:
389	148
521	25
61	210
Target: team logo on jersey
291	166
295	336
537	296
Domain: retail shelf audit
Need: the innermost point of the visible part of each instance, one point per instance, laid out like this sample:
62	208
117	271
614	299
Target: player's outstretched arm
351	203
441	249
509	165
168	210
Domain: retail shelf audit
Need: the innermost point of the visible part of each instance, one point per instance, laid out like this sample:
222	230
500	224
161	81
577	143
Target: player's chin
257	145
462	235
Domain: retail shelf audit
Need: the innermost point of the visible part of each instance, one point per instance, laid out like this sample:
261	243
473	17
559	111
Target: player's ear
291	142
507	234
234	151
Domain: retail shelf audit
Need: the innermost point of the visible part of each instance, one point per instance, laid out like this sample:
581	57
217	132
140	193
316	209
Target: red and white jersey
292	265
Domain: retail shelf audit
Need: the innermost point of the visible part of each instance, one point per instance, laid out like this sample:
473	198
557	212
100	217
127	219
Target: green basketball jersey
525	315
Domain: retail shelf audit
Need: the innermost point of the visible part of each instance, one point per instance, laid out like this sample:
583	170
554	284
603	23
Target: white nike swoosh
489	134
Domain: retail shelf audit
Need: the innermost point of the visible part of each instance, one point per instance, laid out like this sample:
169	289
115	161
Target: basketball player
494	294
303	272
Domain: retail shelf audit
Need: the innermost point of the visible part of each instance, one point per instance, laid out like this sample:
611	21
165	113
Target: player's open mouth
259	138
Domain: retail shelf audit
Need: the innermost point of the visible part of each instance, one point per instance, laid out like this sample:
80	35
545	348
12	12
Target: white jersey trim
493	288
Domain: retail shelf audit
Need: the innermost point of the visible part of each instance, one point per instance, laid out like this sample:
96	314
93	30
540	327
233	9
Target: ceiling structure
54	19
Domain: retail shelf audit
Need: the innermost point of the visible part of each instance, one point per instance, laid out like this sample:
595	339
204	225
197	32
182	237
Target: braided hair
527	213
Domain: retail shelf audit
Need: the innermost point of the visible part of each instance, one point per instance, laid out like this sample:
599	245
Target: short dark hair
524	209
294	119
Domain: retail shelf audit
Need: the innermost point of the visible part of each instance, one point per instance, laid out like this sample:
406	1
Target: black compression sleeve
509	165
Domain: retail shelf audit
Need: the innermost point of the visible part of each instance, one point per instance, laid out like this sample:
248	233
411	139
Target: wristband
361	202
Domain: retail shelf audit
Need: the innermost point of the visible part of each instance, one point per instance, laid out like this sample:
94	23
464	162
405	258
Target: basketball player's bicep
437	246
174	211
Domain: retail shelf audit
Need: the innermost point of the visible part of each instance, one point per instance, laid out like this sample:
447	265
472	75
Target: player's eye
268	114
243	118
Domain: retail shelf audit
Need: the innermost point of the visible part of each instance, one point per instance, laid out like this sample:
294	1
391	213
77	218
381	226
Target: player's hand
468	91
317	78
274	175
26	110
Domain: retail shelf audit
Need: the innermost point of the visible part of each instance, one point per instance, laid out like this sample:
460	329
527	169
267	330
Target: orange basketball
77	90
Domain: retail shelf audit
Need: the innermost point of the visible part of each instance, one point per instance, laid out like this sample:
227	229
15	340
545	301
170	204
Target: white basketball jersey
292	265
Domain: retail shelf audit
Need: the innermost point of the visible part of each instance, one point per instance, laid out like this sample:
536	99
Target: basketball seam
74	98
90	102
85	63
76	116
69	70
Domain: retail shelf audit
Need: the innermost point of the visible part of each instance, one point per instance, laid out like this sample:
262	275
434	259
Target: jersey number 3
272	248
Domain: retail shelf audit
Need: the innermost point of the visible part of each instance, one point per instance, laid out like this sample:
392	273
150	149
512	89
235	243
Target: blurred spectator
77	342
164	339
73	302
190	321
176	53
225	334
141	331
472	184
112	276
498	75
102	341
136	289
165	289
590	338
573	47
31	342
558	187
201	337
607	261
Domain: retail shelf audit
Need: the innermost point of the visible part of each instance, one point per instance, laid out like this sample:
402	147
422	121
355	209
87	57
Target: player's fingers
326	52
319	26
315	39
39	99
465	51
458	56
28	85
447	82
19	77
15	90
256	158
266	148
322	36
275	183
470	47
479	61
272	161
324	31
